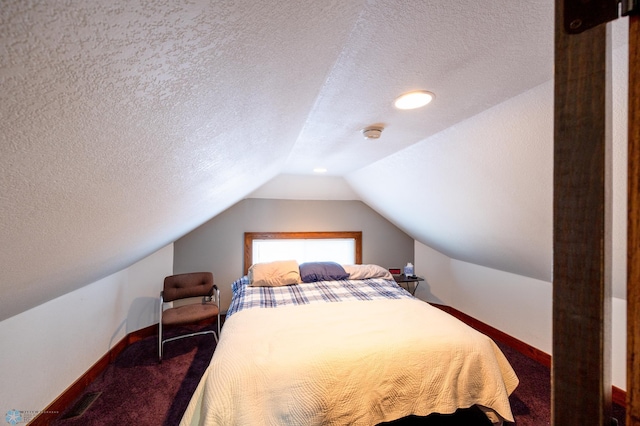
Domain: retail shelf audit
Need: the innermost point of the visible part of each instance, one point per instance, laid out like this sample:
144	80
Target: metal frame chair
184	286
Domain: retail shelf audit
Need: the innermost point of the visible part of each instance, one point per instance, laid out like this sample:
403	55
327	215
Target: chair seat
187	314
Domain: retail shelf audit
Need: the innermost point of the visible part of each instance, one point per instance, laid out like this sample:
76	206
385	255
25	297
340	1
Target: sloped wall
482	191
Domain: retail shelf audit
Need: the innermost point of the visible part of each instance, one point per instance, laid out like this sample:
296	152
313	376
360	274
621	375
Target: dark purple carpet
137	390
531	401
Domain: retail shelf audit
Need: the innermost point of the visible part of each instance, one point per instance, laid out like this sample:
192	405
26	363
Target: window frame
250	236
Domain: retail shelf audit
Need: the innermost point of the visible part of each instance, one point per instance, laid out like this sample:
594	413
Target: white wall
517	305
45	349
619	343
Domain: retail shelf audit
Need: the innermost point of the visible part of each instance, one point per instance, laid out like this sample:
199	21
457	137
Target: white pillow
362	272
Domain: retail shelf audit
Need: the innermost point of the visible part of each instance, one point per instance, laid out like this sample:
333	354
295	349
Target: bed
357	350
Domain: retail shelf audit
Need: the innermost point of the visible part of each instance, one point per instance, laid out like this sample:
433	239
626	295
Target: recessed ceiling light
319	170
412	100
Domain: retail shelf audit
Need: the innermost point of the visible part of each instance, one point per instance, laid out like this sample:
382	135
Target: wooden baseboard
495	334
618	396
67	397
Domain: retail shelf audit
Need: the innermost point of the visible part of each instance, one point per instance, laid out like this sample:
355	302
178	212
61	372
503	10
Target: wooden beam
633	228
581	369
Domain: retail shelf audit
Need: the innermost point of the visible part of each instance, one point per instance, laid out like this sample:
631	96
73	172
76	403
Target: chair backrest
192	284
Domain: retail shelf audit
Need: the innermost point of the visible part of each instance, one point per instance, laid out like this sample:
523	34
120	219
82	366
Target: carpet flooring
137	390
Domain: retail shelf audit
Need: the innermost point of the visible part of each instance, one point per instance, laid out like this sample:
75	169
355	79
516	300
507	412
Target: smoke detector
372	132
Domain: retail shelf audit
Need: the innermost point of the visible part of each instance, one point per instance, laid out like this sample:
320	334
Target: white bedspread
356	363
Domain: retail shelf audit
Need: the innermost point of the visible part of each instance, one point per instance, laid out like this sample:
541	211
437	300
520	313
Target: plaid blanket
248	297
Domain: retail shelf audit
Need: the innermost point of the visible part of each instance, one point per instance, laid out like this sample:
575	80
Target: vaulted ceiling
126	124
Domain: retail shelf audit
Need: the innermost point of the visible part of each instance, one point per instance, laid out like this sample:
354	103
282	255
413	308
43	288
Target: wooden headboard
250	236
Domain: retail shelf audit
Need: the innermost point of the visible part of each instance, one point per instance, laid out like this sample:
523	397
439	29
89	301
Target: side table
403	279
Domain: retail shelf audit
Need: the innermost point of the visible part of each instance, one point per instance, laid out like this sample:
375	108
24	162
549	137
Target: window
340	247
305	250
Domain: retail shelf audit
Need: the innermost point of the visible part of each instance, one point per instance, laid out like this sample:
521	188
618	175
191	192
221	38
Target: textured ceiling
125	124
471	54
